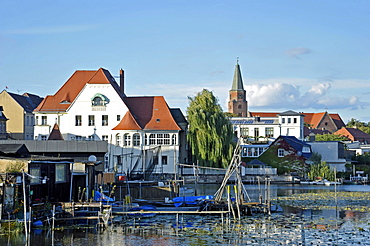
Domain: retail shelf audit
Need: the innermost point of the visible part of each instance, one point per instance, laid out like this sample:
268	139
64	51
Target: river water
292	227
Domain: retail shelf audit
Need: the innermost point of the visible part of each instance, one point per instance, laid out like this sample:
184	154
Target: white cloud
297	52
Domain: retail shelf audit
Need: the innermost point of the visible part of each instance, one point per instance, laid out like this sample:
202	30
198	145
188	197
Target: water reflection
293	227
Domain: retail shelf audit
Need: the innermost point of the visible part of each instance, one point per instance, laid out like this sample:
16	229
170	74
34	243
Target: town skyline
306	57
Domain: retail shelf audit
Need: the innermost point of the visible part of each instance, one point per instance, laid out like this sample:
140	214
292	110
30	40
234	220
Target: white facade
92	115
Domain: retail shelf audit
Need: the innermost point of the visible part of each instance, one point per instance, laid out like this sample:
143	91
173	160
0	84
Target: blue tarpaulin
101	197
189	200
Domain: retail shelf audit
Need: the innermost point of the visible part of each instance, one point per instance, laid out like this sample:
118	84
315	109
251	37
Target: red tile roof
127	123
353	134
150	113
63	98
262	114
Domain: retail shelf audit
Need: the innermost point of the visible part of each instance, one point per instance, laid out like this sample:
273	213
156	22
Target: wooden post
24	204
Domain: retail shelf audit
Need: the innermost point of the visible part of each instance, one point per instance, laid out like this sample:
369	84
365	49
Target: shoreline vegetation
343	200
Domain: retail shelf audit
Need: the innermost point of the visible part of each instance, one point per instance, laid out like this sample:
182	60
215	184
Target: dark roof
13	150
178	116
290	113
55	133
27	101
256	163
297	145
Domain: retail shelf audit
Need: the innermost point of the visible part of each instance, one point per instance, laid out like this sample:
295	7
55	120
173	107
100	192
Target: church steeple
237	102
237	81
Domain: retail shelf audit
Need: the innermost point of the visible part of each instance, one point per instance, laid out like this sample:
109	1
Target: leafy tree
330	137
321	170
210	132
353	123
315	158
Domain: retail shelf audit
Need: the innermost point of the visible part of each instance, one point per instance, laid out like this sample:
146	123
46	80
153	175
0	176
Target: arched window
127	139
118	140
97	101
136	139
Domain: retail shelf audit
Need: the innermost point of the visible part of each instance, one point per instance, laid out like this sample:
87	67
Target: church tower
237	104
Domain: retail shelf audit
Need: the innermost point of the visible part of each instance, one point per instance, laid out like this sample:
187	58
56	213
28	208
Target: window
269	132
44	137
244	131
306	150
44	120
105	138
118	117
289	120
295	120
283	120
136	139
151	139
118	140
37	120
281	152
239	106
91	120
78	121
60	173
174	139
35	175
166	139
164	160
127	139
160	139
104	120
97	101
256	133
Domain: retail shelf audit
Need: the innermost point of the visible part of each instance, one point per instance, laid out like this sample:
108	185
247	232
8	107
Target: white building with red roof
144	135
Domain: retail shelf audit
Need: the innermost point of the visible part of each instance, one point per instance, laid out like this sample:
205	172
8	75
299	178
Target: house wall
292	125
327	124
122	157
15	114
332	152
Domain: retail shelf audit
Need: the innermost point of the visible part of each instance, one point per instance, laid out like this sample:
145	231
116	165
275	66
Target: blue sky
307	56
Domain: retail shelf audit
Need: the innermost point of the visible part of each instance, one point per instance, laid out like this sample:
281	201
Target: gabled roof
63	98
237	81
314	119
55	133
27	101
127	123
13	150
296	144
149	113
353	134
290	113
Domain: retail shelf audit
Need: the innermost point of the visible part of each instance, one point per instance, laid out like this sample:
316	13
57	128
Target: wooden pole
24	204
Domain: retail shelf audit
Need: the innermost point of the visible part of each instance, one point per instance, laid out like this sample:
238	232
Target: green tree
353	123
321	170
315	158
210	132
330	137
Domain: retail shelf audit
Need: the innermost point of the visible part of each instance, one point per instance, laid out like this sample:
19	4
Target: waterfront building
19	112
144	135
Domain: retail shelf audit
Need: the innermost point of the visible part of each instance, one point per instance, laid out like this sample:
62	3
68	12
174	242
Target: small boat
189	200
137	211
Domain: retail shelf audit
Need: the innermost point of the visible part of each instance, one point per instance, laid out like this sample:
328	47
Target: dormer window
99	102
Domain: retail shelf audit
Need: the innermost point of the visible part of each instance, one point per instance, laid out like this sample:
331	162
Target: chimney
312	137
122	81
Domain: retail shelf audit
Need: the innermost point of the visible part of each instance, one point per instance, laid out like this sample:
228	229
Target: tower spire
237	81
